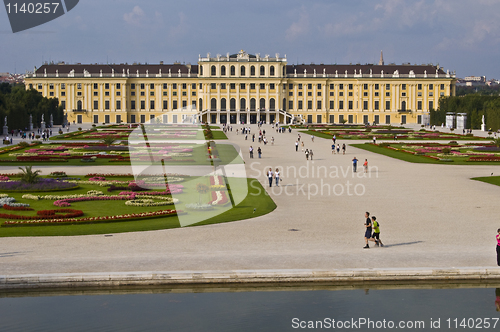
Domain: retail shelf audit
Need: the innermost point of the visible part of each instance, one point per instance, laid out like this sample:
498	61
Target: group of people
273	176
372	231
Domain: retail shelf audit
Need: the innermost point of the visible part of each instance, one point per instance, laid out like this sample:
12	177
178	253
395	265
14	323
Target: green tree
28	175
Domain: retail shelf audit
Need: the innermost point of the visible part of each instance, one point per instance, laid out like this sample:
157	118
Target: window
431	105
403	86
233	71
232	86
376	105
319	86
78	86
184	86
290	86
300	104
213	104
222	71
341	118
271	86
106	93
151	104
350	104
132	104
332	93
387	86
201	70
319	93
376	86
118	93
143	93
300	86
309	104
419	94
365	105
290	104
319	104
419	86
365	119
243	104
152	86
63	104
213	86
96	118
365	94
143	118
365	86
143	86
332	118
174	104
193	86
332	86
118	104
63	86
184	93
132	86
252	86
341	105
387	94
403	94
63	93
252	104
332	104
318	118
387	119
51	94
184	103
143	104
341	93
174	93
431	86
96	93
223	86
96	86
165	104
242	70
341	86
309	94
350	118
96	104
51	86
213	71
262	71
118	86
79	93
165	86
350	94
252	71
262	86
242	85
376	94
106	86
441	94
271	71
310	86
431	94
419	105
106	105
350	86
442	86
174	86
232	104
223	104
387	105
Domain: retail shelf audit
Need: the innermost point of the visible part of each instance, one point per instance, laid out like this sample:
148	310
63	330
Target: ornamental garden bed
436	153
91	209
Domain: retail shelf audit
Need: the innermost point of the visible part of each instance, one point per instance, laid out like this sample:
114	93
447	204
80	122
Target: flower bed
17	208
42	185
46	214
90	220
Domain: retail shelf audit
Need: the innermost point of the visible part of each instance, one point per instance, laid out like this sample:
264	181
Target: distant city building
244	88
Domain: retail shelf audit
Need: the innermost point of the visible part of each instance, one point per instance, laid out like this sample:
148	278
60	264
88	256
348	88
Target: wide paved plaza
431	216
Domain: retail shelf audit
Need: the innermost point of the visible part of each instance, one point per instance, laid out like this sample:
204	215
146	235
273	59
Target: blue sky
460	35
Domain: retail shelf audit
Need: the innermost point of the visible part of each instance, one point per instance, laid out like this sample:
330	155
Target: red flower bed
17	208
484	159
46	214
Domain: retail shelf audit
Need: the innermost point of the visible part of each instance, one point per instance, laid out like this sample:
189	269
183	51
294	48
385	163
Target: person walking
312	138
365	166
374	140
311	154
307	154
333	148
270	176
296	146
354	164
338	148
277	176
302	144
251	151
368	230
334	139
259	152
376	232
343	148
498	247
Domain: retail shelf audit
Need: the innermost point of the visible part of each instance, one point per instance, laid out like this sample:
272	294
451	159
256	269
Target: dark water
257	309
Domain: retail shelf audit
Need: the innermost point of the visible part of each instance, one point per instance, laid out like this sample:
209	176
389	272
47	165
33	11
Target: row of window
232	69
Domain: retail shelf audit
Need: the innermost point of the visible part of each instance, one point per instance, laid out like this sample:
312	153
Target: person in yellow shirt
376	232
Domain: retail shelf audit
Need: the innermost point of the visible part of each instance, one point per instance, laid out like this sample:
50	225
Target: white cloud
135	17
180	29
299	28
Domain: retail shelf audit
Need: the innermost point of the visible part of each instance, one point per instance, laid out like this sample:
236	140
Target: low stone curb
111	279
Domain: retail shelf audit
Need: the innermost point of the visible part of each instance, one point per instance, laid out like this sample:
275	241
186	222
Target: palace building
244	88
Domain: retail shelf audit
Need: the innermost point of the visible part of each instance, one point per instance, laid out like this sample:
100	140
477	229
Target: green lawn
256	198
416	159
495	180
316	133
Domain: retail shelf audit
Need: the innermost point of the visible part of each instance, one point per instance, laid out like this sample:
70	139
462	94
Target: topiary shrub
446	150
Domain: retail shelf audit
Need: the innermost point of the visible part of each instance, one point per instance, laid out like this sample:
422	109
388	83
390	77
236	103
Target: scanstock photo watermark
311	180
24	15
167	157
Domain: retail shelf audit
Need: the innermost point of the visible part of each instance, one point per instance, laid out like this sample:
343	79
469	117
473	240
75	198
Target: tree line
18	104
474	105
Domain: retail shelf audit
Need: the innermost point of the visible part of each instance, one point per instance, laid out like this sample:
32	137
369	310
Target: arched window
271	71
79	105
213	104
403	105
284	104
213	71
252	71
200	104
252	104
233	71
243	104
262	104
262	71
223	104
272	104
242	71
232	104
223	71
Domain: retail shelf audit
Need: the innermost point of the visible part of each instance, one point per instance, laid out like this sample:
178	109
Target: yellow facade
244	88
